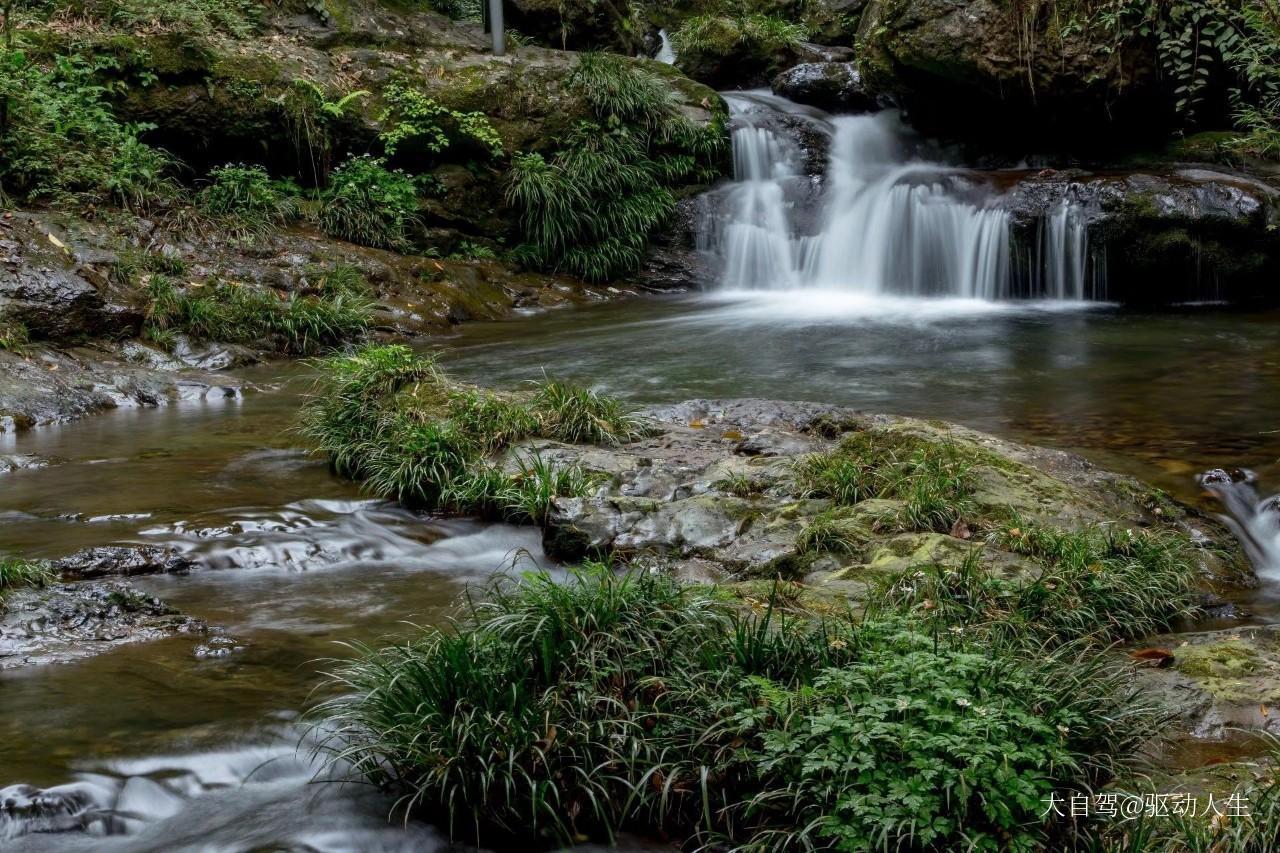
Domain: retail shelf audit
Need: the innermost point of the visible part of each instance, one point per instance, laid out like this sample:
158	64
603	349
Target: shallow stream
200	752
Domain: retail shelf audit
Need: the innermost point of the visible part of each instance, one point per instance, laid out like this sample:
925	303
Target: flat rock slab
677	496
67	622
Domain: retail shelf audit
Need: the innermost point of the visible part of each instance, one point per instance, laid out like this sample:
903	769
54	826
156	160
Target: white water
889	225
666	53
1256	523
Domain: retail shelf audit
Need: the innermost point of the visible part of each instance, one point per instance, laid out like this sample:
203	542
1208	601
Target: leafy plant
605	701
313	119
367	203
412	118
723	35
589	208
63	143
246	201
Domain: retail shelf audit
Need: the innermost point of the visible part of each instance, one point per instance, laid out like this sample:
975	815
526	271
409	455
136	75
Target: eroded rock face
66	622
715	489
1003	73
832	86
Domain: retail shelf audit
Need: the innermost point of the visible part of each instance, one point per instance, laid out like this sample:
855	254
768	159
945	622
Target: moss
1228	659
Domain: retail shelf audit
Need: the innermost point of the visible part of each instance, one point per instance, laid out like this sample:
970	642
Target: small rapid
887	223
1255	521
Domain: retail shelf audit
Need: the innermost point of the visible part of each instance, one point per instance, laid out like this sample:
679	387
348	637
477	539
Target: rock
25	462
67	622
714	487
122	561
1005	74
1219	680
1192	234
832	86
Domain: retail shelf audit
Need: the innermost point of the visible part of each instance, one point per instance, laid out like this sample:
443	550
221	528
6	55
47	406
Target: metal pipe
496	27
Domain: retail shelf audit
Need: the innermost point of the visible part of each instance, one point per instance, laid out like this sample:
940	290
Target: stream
293	562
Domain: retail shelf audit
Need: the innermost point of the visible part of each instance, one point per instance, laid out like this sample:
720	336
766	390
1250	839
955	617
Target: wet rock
714	489
1219	680
67	622
26	809
48	386
25	462
1003	75
122	561
832	86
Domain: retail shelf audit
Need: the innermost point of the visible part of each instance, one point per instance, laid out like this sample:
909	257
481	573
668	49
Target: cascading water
1256	523
666	51
887	225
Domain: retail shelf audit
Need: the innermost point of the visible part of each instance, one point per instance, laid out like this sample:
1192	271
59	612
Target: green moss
1228	659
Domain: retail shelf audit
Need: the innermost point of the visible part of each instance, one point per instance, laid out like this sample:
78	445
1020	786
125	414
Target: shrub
367	203
589	208
396	421
245	201
572	710
62	142
412	118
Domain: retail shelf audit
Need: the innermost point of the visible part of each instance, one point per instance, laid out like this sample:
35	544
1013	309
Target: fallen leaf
960	530
1160	658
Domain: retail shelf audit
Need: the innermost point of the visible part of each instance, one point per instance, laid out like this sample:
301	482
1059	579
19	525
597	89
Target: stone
832	86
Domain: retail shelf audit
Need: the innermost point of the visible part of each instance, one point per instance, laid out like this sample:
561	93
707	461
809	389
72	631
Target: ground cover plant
394	420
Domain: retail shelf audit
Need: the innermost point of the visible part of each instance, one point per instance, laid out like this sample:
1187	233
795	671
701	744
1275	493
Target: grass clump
367	203
829	532
727	35
589	207
394	420
13	335
1102	583
246	200
239	18
16	574
571	710
230	312
932	479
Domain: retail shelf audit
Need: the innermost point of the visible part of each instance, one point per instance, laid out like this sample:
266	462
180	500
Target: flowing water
194	743
888	222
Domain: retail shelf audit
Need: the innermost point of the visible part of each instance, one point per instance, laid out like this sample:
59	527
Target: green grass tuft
16	574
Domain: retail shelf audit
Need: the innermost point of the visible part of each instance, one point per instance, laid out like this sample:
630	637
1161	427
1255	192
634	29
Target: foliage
367	203
589	208
236	313
235	17
1101	583
459	10
572	709
246	201
931	478
413	119
62	142
468	251
830	532
312	119
725	35
18	574
394	420
13	335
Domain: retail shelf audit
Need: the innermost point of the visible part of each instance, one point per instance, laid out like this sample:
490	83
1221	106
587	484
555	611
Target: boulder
122	561
1006	74
832	86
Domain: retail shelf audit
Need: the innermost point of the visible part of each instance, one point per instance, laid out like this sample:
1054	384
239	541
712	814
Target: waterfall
888	224
667	52
1256	523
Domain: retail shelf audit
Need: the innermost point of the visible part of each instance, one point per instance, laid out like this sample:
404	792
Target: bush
572	710
62	143
727	35
411	118
394	420
236	313
247	198
367	203
589	208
